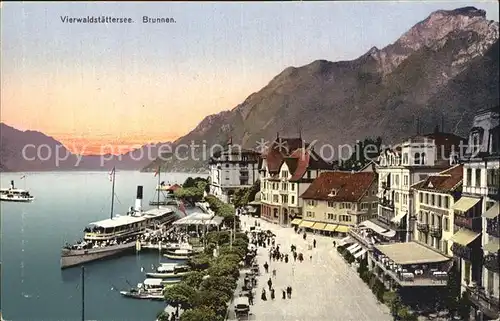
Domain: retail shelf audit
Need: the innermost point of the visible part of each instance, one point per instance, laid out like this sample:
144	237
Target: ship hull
71	258
17	200
165	275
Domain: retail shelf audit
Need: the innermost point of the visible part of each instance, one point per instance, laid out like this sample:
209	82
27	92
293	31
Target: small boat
13	194
168	271
150	289
179	254
172	247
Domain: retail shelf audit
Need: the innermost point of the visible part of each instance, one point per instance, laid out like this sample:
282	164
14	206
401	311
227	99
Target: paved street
324	288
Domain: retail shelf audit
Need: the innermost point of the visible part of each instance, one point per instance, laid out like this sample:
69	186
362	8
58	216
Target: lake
33	286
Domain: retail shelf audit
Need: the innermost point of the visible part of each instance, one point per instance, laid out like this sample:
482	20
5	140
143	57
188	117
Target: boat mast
83	293
158	188
113	193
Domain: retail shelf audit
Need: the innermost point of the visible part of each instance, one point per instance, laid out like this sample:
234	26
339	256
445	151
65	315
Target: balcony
492	227
473	224
357	234
491	262
487	303
386	203
461	251
436	231
423	227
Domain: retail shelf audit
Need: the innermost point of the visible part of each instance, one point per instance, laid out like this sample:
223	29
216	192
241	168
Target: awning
378	229
397	219
492	246
307	224
465	203
464	237
492	212
319	226
352	246
355	248
296	221
330	227
342	229
360	253
345	240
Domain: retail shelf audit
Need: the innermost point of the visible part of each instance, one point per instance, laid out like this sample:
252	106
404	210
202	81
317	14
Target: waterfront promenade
323	289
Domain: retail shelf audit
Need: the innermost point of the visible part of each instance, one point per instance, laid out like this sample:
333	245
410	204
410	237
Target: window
311	203
420	216
416	159
446	224
373	192
493	177
284	186
469	176
445	247
421	197
423	159
227	165
348	205
292	187
374	205
432	199
397	180
332	216
341	205
405	159
426	198
467	272
284	174
275	199
405	178
478	177
405	199
432	219
331	204
396	197
365	206
292	200
310	214
446	202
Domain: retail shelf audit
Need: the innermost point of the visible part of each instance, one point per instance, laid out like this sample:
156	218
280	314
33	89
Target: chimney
12	184
138	200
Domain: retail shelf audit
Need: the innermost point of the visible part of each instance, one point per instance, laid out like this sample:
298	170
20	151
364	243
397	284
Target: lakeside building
337	201
401	167
434	200
287	170
231	169
476	243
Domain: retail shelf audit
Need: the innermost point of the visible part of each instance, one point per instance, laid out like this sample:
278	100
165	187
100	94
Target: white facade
231	170
481	180
398	170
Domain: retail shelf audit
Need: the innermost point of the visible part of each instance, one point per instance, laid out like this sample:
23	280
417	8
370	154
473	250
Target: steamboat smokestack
138	199
12	184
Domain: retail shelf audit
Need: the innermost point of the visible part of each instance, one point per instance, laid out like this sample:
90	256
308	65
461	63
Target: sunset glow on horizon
94	85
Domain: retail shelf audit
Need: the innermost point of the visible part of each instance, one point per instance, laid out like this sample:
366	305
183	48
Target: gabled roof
349	187
280	148
306	159
445	181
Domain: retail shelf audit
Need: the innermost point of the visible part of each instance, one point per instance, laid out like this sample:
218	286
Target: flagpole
113	193
158	188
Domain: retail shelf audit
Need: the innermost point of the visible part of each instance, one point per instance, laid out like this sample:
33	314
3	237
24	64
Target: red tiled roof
445	181
350	187
281	148
306	159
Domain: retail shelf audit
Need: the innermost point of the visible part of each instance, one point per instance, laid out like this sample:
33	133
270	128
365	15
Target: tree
393	301
201	313
181	295
213	299
464	307
404	314
162	316
200	261
193	278
223	284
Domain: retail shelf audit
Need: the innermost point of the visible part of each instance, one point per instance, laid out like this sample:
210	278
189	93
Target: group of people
285	293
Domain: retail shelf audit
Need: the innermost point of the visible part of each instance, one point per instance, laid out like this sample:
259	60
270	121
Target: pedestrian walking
283	294
314	243
304	236
250	297
266	267
263	295
334	244
274	273
272	294
270	283
310	257
286	258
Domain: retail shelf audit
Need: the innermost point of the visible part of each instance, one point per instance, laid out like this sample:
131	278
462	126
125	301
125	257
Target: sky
128	84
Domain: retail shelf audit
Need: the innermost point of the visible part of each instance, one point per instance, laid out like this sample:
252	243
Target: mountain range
440	72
